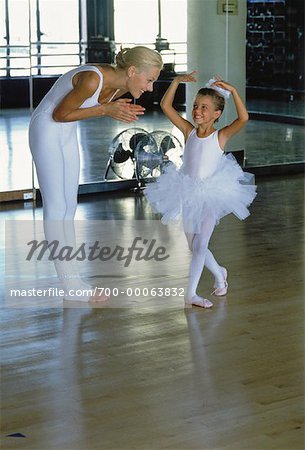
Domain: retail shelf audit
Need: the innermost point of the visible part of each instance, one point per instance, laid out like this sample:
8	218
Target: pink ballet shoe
198	301
221	291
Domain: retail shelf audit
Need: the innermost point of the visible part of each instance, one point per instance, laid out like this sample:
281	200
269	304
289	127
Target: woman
84	92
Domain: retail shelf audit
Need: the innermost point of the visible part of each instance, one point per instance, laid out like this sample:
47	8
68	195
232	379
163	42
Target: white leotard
55	148
201	155
63	86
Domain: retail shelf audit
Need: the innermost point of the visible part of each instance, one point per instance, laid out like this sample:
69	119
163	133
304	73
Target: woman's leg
55	151
45	143
70	152
53	173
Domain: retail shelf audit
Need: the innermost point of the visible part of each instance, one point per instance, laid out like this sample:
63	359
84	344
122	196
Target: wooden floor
154	375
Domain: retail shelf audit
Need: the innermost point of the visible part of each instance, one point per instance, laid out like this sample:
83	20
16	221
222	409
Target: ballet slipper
221	291
198	301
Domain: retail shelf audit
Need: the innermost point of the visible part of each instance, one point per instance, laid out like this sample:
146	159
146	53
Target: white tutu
178	197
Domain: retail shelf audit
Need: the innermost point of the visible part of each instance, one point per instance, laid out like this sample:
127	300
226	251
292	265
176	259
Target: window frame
35	47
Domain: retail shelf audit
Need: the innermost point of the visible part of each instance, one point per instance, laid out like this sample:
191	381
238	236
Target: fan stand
139	187
108	167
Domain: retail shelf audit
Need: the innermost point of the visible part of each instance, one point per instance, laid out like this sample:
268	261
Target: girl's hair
141	57
218	100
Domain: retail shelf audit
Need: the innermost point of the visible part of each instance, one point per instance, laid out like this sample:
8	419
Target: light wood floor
155	376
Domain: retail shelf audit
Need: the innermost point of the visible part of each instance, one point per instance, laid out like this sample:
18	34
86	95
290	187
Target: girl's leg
210	263
218	271
199	246
189	238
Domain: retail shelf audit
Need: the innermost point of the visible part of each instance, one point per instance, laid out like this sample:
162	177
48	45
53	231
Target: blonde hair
141	57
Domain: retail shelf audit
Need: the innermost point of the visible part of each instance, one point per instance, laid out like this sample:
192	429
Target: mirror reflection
38	45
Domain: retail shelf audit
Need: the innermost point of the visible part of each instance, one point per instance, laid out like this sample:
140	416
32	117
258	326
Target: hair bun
121	57
140	57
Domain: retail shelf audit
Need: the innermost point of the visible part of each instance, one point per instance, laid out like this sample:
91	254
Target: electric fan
170	145
136	153
121	152
152	157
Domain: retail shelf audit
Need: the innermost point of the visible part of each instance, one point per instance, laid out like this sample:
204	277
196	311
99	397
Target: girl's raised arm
167	103
242	114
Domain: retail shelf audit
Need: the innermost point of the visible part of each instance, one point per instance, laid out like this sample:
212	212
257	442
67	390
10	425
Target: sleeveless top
63	86
201	155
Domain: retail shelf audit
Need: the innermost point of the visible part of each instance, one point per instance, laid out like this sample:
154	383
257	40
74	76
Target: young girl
209	184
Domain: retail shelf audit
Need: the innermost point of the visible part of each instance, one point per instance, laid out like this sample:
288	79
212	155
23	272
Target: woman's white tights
55	150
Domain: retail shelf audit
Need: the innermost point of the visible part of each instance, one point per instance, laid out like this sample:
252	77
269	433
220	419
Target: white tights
54	147
202	256
55	150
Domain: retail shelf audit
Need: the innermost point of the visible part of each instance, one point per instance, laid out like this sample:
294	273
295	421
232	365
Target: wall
216	45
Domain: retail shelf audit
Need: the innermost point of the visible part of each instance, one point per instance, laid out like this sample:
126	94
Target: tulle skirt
178	197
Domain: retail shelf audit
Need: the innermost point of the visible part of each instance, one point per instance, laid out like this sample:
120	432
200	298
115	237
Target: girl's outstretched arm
167	104
242	114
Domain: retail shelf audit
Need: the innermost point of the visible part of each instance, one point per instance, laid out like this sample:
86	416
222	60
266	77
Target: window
44	35
139	22
14	50
58	36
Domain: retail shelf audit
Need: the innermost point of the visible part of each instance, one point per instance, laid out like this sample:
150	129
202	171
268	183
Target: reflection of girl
209	184
84	92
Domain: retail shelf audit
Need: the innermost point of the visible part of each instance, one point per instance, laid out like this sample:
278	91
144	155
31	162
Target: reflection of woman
84	92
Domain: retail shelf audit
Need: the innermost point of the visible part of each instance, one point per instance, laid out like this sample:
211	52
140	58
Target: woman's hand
123	110
186	78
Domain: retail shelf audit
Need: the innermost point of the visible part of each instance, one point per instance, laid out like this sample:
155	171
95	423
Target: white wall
216	44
